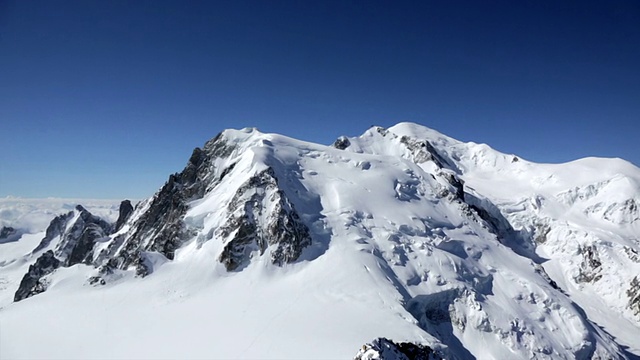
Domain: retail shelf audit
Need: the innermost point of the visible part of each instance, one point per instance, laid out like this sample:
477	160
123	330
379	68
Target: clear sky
104	99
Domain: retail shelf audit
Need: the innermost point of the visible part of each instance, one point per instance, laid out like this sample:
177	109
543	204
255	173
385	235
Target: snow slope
582	216
270	247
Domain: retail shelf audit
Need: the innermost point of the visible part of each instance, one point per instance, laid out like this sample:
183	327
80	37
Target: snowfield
268	247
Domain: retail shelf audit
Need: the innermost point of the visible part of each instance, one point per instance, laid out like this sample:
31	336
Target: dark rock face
261	217
341	143
125	212
32	283
83	250
422	151
590	266
56	227
76	245
161	227
385	349
9	234
633	293
264	217
456	183
6	231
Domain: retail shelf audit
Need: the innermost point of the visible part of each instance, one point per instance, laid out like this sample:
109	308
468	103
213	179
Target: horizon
103	100
9	197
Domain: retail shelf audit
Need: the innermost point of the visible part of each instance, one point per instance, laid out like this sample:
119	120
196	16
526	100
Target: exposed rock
6	231
484	211
456	182
419	151
9	234
342	143
590	266
627	212
126	209
76	245
161	227
77	239
542	272
634	296
77	233
632	254
263	217
540	233
227	171
56	227
32	282
382	131
96	280
422	151
385	349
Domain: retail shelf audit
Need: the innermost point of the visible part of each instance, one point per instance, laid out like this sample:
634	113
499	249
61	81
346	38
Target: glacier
265	246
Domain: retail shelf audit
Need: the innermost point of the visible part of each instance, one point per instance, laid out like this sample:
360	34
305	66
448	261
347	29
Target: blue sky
104	99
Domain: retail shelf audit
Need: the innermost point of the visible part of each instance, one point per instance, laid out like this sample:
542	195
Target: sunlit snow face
459	247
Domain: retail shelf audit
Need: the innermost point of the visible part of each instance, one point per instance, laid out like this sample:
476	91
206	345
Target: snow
587	201
395	254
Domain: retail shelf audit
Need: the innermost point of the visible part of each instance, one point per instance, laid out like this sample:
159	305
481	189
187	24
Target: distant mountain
32	215
402	243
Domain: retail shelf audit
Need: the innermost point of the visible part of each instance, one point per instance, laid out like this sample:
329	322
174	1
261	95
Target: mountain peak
402	239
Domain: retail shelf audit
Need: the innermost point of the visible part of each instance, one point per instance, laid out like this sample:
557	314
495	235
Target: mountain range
402	243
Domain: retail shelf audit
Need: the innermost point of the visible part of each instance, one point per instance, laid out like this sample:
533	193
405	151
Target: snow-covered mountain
400	243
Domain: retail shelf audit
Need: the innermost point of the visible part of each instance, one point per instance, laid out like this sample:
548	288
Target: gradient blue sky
104	99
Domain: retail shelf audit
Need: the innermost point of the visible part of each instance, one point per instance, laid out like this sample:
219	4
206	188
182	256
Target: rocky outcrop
341	143
633	293
126	209
423	151
56	228
385	349
161	227
632	253
6	231
456	183
70	239
32	283
76	244
590	267
262	218
627	212
9	234
75	240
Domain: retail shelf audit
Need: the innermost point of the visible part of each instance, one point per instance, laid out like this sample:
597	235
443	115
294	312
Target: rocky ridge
260	218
